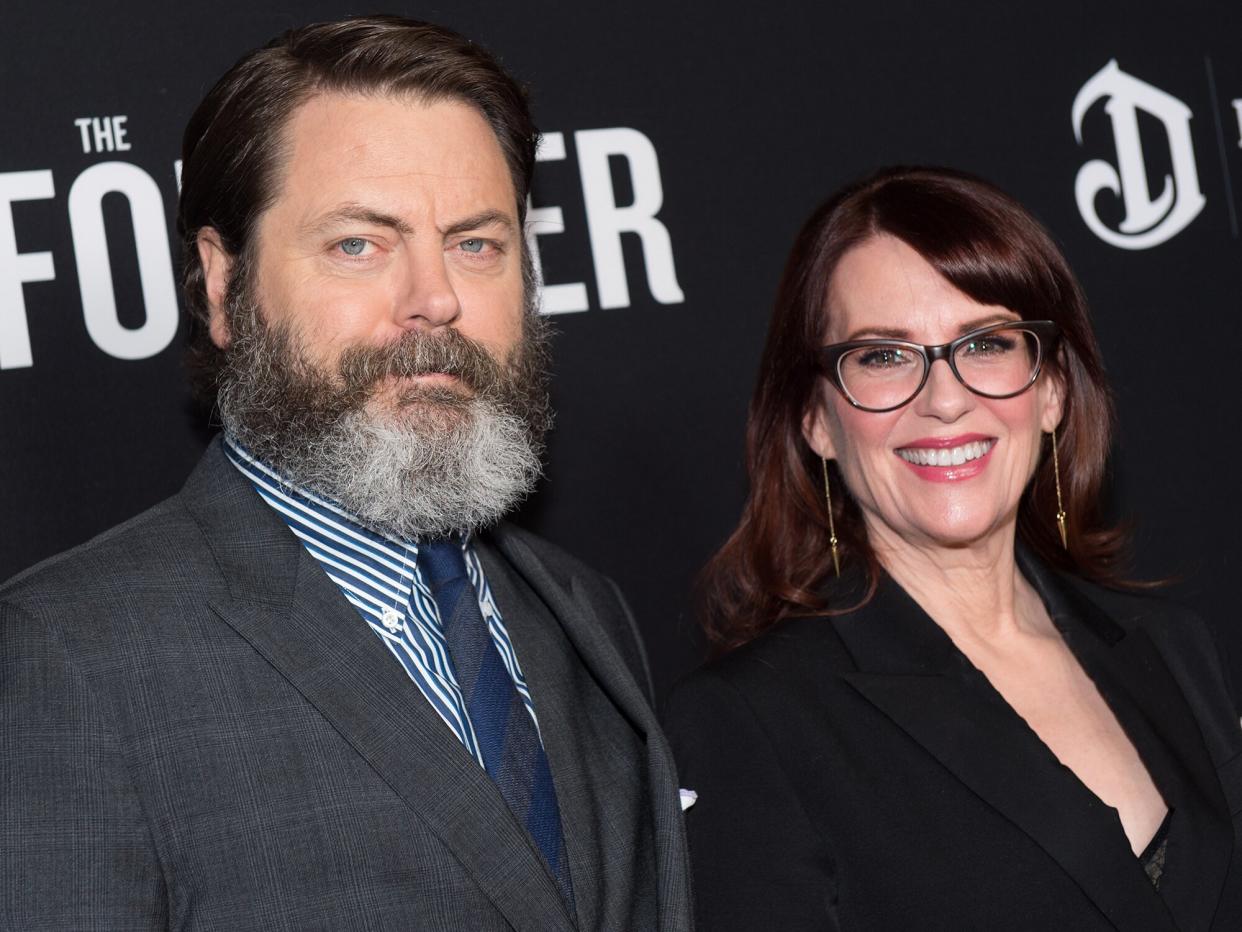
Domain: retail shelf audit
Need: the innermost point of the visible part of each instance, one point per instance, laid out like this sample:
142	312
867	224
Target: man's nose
430	299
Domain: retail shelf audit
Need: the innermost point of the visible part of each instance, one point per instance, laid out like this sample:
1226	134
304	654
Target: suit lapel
588	804
572	611
911	671
295	617
542	655
1142	692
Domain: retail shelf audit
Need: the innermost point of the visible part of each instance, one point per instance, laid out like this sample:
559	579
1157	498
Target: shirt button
391	620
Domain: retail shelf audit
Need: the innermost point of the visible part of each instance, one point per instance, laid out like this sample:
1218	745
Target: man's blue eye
353	246
473	245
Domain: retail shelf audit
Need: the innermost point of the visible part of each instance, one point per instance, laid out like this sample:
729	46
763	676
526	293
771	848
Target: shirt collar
261	473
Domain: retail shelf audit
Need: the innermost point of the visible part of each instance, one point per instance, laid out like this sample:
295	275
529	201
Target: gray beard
422	462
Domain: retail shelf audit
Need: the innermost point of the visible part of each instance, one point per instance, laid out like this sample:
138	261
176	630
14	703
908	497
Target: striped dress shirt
379	576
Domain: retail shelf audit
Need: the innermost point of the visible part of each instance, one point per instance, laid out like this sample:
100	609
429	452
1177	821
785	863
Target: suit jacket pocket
1230	773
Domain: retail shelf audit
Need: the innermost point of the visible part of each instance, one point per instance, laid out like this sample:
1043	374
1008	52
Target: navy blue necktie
512	752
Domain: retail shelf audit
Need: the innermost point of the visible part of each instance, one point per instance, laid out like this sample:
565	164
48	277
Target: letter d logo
1148	221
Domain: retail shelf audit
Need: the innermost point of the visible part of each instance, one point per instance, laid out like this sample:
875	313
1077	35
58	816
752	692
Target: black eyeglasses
998	361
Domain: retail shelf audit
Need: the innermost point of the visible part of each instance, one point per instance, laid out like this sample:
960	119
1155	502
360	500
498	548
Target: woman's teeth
946	456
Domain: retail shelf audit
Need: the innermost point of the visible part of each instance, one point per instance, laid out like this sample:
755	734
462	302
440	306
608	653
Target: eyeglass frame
1046	333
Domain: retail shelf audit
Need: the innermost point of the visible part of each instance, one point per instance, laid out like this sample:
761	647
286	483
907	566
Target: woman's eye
989	346
883	358
353	246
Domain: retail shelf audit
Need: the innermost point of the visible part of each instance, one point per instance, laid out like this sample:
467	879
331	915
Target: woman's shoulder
793	646
1161	617
1187	646
796	664
807	659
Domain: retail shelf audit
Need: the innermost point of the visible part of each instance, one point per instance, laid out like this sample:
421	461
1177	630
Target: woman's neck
975	593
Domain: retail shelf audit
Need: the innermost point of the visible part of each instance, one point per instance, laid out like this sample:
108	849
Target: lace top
1152	857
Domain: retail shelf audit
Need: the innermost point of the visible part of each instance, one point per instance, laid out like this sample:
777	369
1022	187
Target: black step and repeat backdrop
683	146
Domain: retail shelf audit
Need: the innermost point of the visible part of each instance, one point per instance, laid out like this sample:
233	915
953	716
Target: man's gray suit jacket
197	731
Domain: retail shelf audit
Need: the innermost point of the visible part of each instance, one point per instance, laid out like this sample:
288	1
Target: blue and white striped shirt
379	576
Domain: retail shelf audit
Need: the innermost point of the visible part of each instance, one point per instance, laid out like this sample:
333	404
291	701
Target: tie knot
441	561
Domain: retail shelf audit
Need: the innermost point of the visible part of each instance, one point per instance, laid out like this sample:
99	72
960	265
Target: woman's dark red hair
988	246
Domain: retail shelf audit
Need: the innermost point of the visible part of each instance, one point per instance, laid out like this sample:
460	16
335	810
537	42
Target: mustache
361	368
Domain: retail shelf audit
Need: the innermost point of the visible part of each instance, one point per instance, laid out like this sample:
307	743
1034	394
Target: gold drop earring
832	528
1056	472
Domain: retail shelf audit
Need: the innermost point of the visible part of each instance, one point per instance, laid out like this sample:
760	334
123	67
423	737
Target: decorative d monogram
1148	221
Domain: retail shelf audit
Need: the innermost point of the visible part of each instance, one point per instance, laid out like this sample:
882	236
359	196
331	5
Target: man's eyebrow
484	218
357	213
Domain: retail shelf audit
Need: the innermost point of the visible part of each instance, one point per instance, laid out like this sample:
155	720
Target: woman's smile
948	459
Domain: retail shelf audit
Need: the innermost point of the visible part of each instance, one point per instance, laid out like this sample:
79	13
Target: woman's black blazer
857	772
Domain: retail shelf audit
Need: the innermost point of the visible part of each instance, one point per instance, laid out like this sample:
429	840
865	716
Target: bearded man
325	687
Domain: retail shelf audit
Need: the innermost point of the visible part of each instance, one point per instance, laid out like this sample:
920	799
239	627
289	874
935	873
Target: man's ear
815	430
217	268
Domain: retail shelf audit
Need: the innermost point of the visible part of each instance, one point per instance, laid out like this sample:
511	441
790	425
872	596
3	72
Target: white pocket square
688	798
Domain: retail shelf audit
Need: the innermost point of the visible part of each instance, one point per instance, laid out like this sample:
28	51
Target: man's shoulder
102	604
513	540
162	546
139	546
528	551
587	588
569	573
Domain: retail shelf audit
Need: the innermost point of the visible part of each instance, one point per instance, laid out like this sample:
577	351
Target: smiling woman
935	709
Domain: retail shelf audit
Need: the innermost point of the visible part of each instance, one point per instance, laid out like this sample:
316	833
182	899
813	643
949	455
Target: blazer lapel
911	671
1142	692
291	613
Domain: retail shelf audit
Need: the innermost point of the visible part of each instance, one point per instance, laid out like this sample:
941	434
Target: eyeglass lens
997	363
